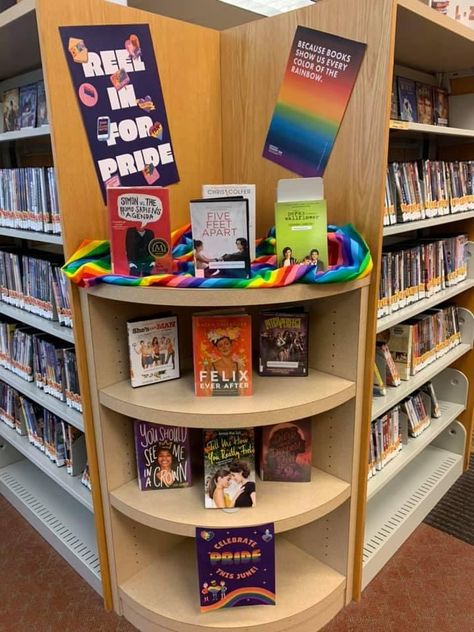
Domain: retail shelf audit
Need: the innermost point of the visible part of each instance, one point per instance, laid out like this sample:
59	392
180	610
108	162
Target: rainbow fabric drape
349	259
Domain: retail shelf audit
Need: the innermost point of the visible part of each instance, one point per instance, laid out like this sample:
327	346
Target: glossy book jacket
163	456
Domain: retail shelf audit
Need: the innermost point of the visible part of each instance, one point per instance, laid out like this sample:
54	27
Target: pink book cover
140	234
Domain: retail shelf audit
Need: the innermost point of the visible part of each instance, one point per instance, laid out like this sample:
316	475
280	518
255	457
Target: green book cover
301	233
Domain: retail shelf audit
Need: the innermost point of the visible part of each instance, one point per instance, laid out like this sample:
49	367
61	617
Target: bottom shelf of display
164	596
394	514
62	521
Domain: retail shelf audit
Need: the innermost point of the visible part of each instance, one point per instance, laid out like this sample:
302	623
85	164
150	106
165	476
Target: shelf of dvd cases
173	402
59	408
277	502
451	388
405	227
24	134
62	521
410	496
72	484
430	129
395	394
31	235
420	306
307	590
51	327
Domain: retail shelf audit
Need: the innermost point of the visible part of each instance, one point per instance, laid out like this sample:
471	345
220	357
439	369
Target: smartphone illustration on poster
103	127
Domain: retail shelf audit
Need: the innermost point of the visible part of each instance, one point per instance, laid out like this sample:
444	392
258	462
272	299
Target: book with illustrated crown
236	566
163	456
222	353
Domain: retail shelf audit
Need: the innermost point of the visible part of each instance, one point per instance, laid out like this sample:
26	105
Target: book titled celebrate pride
236	566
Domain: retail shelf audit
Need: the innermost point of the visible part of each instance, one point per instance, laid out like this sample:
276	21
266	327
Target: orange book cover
222	353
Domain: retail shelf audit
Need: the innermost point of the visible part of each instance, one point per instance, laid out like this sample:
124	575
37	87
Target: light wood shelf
43	324
395	394
450	412
420	306
25	133
72	484
410	496
274	400
19	44
233	297
288	505
59	408
154	596
422	128
442	44
405	227
62	521
31	235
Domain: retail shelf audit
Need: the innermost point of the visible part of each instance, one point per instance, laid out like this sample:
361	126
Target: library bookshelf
56	504
151	534
427	466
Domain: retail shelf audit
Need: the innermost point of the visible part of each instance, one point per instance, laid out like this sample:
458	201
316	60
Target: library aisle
425	587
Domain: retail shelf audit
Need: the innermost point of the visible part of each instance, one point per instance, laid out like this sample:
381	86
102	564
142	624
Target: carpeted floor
426	587
454	514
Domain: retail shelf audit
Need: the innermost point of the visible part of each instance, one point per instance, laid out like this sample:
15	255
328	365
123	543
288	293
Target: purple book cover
163	456
236	566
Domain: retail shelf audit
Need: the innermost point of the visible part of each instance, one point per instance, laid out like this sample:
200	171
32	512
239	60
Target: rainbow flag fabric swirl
349	259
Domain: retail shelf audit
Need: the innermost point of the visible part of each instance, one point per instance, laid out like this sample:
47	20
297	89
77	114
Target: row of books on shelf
223	229
29	199
409	347
414	271
62	443
34	281
167	456
24	107
427	188
390	432
222	349
37	357
418	102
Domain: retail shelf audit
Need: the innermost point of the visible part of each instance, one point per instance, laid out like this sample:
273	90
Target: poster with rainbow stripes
236	566
320	74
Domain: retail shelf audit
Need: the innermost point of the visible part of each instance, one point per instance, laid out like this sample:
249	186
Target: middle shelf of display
287	505
275	400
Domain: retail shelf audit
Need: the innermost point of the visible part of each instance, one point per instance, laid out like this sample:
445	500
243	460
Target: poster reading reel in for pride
115	77
319	77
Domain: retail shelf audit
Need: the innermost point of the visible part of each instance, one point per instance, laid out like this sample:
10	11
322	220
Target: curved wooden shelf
153	598
288	505
192	297
274	400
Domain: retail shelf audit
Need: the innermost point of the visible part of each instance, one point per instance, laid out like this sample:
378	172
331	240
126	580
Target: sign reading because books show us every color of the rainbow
319	78
115	77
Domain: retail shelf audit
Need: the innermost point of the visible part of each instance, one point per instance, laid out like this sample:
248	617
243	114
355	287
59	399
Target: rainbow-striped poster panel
318	81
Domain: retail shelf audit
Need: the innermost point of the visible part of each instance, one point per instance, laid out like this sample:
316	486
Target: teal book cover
301	233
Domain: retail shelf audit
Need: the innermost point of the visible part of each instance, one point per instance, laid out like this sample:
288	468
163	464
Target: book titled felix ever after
236	566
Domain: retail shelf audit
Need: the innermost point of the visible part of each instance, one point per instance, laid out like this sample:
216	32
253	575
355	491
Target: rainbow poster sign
236	567
319	77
